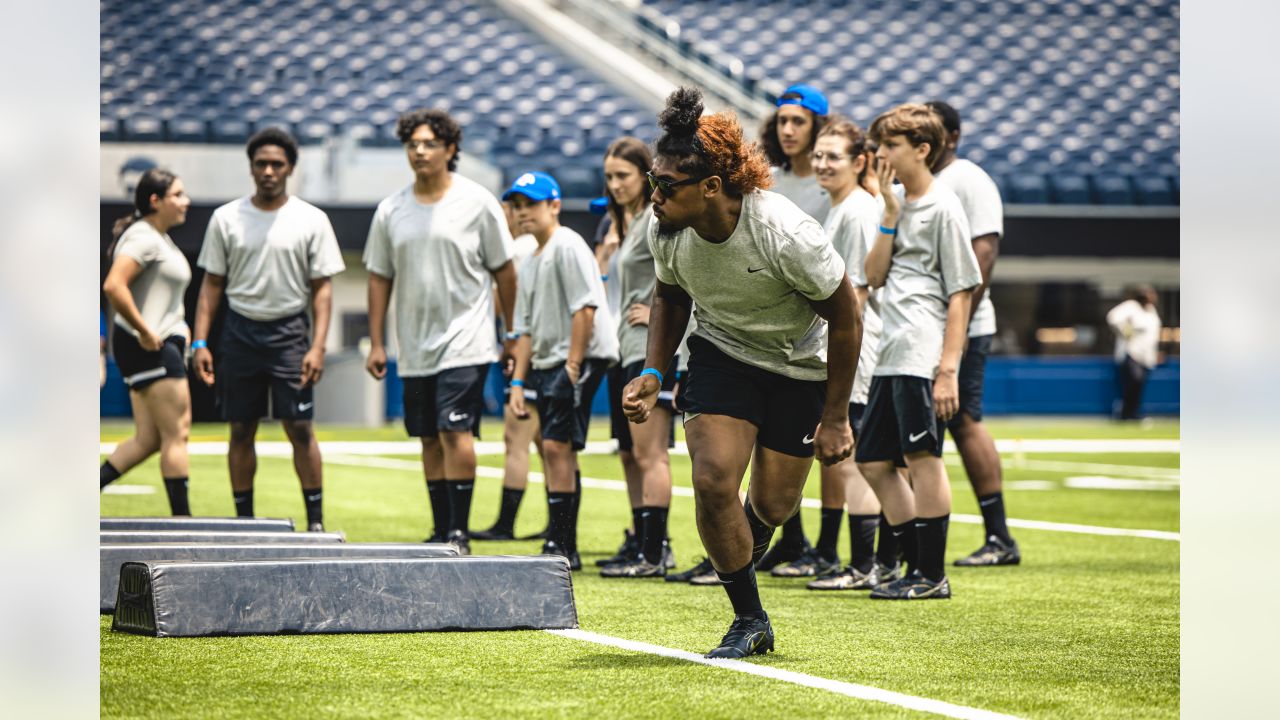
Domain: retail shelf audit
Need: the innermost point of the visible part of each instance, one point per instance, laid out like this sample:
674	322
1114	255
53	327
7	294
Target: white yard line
861	692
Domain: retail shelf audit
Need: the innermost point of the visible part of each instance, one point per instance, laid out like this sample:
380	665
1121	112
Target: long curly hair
710	145
773	149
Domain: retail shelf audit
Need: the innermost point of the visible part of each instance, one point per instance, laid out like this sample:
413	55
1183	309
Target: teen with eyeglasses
772	359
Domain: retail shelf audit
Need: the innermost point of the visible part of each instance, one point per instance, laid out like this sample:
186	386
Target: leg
459	452
516	435
145	440
933	511
654	468
437	489
169	401
719	449
242	464
308	465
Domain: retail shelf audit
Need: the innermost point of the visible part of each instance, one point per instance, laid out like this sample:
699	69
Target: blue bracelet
197	344
513	335
888	231
604	278
517	383
651	371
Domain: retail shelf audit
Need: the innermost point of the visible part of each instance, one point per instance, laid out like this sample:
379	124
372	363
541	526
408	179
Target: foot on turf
437	536
702	568
627	552
914	586
494	533
668	555
809	564
315	527
782	553
748	635
707	578
847	579
640	568
459	539
551	547
995	552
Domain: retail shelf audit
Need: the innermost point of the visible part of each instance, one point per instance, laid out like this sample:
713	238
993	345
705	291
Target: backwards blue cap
806	97
537	186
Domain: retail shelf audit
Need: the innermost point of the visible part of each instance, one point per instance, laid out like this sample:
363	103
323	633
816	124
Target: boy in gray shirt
565	344
923	259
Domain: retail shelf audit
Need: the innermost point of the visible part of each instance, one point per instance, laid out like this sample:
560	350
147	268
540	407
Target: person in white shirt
145	287
273	256
1136	324
438	247
787	139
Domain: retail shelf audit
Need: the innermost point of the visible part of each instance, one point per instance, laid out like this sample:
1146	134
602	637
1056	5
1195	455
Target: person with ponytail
773	356
145	287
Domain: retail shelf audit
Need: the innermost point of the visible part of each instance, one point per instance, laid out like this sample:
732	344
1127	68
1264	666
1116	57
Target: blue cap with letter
537	186
806	97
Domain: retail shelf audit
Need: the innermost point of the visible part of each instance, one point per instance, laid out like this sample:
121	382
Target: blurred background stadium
1071	105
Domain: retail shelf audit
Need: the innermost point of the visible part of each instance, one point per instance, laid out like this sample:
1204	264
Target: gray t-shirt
440	258
636	280
805	192
751	292
852	226
157	290
981	201
932	260
270	258
555	283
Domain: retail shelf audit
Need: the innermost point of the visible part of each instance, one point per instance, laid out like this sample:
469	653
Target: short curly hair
274	136
442	125
711	145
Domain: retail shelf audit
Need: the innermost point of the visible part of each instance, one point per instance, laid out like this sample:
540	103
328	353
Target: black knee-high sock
511	498
829	534
653	532
460	492
888	549
576	506
931	534
862	541
743	593
761	533
107	474
906	536
637	522
176	489
560	518
314	499
244	502
793	530
438	493
993	516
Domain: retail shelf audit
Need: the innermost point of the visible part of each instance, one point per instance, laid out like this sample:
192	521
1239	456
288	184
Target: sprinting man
774	310
272	254
440	245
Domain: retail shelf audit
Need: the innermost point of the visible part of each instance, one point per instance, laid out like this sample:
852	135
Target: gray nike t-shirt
636	280
751	292
555	283
270	258
805	192
440	258
980	199
852	226
932	260
157	290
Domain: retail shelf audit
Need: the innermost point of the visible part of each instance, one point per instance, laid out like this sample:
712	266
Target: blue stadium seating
1070	189
1113	189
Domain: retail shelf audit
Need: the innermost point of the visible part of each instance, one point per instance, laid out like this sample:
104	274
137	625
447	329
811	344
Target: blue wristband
513	335
888	231
517	383
197	344
651	371
604	278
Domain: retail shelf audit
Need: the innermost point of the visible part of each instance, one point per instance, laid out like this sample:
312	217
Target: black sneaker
494	533
702	568
627	552
641	568
315	527
551	547
748	635
810	564
668	555
782	553
459	539
437	536
914	586
847	579
995	552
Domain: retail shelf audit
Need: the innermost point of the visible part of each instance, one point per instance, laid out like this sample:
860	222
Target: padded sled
269	597
201	524
180	537
111	557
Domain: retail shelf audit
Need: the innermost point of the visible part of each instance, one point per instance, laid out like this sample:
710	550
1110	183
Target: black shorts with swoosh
450	401
899	420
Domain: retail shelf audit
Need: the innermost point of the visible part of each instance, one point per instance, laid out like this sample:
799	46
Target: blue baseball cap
806	97
537	186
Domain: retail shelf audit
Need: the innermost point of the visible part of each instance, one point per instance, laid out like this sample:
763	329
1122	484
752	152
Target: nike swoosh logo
754	270
553	501
455	417
303	407
916	436
808	440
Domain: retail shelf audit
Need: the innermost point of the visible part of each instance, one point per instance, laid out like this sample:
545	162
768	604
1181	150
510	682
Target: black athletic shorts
970	377
784	410
564	409
619	376
856	411
899	420
141	367
262	359
450	401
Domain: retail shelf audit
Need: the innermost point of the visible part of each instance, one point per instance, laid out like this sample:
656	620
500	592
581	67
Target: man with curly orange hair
772	302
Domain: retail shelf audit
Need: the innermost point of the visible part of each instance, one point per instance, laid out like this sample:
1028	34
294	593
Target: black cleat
494	533
782	553
810	564
914	586
748	635
995	552
627	552
551	547
668	555
641	568
702	568
459	539
437	536
847	579
315	527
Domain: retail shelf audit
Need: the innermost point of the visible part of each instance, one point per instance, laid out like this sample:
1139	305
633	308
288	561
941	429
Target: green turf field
1086	627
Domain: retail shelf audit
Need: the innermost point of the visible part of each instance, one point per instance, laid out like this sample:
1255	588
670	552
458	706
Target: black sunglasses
668	187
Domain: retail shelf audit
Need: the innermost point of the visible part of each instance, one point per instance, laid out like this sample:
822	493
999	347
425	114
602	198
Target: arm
880	256
211	289
861	295
579	338
322	310
987	249
607	247
946	387
116	287
379	299
520	354
504	279
833	440
668	317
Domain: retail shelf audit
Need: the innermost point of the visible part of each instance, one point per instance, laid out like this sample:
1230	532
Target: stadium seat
1153	190
1070	189
188	129
109	129
1028	189
143	129
1112	190
229	130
